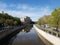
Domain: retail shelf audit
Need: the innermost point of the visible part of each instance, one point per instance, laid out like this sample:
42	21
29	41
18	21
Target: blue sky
32	8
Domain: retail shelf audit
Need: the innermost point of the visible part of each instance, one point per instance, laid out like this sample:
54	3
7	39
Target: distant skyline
32	8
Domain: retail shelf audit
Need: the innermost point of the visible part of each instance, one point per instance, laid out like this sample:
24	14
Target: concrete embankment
47	38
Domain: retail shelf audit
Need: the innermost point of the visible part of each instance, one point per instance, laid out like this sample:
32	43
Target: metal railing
55	33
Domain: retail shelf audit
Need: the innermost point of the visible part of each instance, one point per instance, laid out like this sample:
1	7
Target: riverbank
26	37
6	35
47	38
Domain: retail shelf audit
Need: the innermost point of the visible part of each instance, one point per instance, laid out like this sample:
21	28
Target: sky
32	8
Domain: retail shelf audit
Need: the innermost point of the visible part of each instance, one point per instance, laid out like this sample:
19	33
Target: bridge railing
55	33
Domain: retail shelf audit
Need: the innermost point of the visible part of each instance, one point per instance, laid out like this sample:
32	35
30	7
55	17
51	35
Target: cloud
21	10
25	7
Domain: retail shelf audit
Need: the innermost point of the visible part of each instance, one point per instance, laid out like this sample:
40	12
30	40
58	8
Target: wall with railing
49	37
52	32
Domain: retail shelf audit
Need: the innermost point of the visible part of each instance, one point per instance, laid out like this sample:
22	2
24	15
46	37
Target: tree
15	23
18	20
55	18
9	22
6	19
44	20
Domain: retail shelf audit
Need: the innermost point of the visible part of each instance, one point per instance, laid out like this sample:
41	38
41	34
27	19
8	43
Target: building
25	20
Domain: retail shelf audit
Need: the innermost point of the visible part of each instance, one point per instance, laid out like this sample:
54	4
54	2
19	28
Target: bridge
47	36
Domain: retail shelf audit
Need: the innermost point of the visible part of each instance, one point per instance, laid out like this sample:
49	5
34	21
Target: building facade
25	20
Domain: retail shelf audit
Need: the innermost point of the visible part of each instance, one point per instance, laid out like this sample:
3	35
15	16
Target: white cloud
22	6
25	7
25	10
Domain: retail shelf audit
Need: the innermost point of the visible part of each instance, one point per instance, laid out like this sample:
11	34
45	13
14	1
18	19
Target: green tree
55	18
44	20
9	22
15	22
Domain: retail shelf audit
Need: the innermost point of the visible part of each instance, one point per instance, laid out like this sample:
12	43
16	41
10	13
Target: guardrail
46	37
55	33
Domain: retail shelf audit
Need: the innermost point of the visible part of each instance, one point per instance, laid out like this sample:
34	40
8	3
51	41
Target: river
26	36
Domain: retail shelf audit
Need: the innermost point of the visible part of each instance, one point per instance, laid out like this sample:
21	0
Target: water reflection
27	29
9	40
26	36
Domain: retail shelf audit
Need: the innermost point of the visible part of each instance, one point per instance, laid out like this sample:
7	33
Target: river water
26	36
